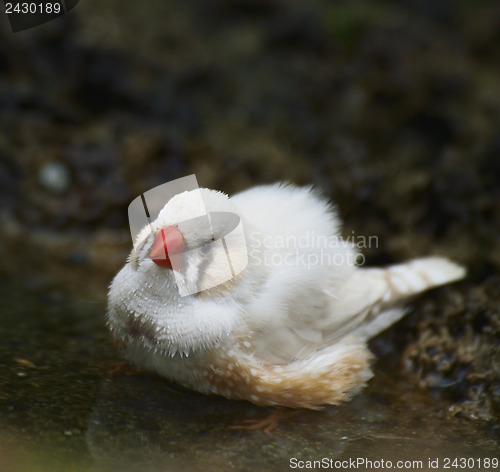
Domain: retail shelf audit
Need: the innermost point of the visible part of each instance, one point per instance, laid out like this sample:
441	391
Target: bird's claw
267	424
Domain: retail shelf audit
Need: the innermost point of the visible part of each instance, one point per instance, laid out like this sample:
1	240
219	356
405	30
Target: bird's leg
122	368
267	424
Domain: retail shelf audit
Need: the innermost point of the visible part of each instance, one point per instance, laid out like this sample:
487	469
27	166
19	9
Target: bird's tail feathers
397	283
416	276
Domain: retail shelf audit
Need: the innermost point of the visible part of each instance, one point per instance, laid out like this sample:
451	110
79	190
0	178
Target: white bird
290	329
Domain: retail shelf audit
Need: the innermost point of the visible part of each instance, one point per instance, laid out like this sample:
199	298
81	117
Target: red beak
168	242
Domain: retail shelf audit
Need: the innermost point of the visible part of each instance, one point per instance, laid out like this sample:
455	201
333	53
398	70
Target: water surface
62	409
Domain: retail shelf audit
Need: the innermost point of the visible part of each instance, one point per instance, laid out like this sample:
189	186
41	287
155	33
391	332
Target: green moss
346	22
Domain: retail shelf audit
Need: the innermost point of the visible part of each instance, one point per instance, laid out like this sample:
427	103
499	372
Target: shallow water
62	410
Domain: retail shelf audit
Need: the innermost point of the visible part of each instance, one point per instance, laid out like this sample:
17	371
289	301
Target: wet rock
456	353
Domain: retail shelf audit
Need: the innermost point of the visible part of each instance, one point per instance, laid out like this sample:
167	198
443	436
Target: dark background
392	108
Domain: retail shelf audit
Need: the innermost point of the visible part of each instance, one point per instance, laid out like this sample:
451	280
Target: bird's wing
323	297
365	304
369	301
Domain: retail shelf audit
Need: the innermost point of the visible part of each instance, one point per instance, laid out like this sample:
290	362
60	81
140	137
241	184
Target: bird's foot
267	424
122	368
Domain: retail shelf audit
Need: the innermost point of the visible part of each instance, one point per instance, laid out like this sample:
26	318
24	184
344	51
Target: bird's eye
206	248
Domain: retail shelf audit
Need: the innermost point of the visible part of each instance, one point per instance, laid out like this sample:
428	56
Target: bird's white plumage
291	328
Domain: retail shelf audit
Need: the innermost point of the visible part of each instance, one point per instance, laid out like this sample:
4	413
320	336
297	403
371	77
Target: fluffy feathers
291	328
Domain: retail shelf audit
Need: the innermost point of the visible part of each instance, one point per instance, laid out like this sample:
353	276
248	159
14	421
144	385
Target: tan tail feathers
395	284
418	275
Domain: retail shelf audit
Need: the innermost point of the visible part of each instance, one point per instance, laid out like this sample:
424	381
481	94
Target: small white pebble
54	177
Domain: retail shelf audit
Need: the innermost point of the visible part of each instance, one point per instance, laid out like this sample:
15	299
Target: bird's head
196	246
197	240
